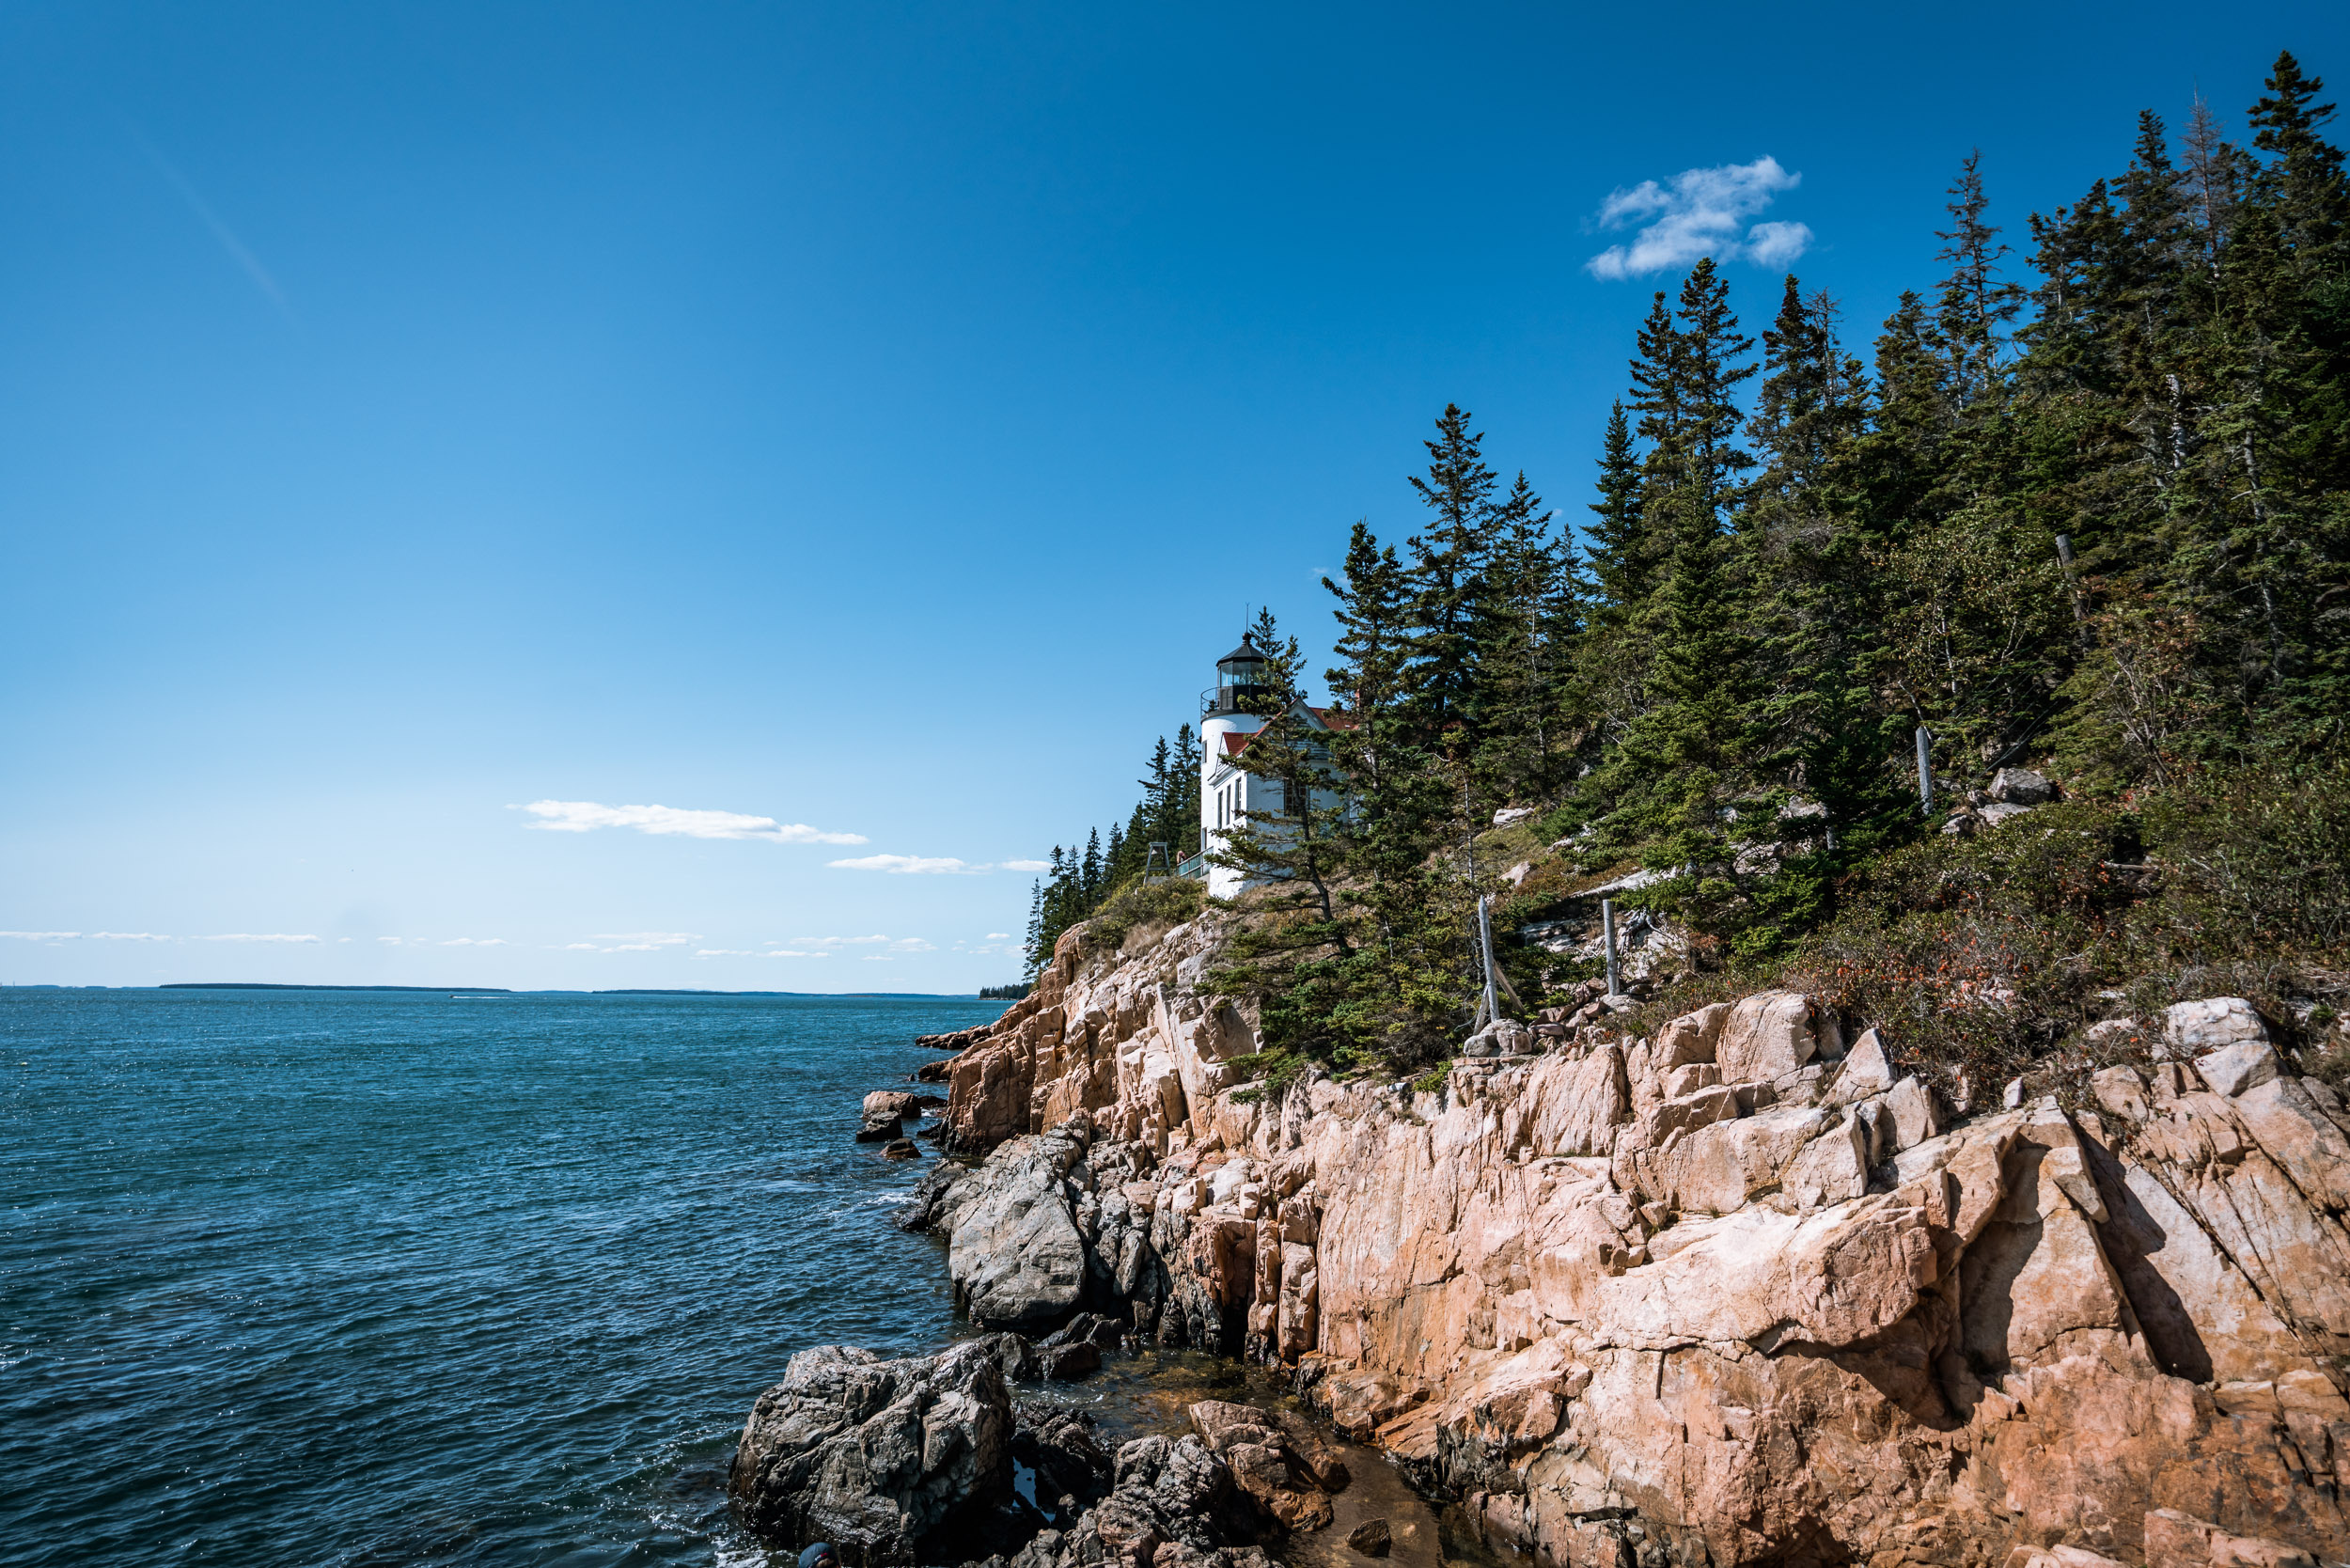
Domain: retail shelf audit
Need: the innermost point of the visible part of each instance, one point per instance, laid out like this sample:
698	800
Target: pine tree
1976	304
1710	348
1619	554
1448	566
2305	185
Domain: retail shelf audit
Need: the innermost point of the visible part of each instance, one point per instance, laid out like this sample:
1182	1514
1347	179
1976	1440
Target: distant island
267	986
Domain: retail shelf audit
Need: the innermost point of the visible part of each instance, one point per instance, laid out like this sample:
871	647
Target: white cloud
583	816
1775	244
1027	865
250	937
1000	936
876	958
474	942
43	935
837	941
1700	213
129	936
910	865
740	952
623	942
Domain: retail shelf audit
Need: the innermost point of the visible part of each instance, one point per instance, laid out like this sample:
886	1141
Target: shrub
1164	901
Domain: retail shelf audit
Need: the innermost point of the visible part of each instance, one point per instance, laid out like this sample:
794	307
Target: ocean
358	1279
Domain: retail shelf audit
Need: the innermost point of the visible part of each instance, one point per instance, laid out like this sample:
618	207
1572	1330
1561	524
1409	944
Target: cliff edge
1730	1292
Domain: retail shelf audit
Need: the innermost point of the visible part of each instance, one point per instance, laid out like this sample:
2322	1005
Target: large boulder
891	1104
893	1462
1771	1035
2191	1029
1014	1253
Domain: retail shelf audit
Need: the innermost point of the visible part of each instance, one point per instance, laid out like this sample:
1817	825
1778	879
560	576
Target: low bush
1138	903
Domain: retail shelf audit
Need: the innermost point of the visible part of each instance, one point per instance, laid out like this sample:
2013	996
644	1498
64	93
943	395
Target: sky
708	495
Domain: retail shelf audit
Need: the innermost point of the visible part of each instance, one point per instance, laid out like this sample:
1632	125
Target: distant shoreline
508	991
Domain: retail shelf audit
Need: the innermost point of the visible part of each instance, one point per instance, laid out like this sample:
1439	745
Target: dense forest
2082	507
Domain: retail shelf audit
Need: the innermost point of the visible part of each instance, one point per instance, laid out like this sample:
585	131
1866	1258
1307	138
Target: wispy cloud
639	941
129	936
998	937
244	258
910	865
744	953
1027	865
42	935
252	937
474	942
895	943
1700	213
585	816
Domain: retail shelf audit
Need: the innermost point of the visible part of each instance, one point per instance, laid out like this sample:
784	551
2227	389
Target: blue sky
868	420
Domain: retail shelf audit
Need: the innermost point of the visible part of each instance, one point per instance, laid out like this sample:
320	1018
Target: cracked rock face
893	1462
1727	1294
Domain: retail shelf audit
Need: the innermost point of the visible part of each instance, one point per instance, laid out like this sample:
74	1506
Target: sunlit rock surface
1730	1293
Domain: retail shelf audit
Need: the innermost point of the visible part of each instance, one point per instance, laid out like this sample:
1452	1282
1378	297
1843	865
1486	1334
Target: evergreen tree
2305	184
1447	569
1977	304
1619	566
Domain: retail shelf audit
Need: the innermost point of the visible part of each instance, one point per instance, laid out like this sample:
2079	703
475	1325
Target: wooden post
1608	938
2072	582
1490	1009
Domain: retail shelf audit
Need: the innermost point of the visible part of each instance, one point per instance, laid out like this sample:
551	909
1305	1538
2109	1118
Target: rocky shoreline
1733	1292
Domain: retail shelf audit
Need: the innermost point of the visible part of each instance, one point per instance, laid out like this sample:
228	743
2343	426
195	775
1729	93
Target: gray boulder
1014	1253
2021	787
893	1462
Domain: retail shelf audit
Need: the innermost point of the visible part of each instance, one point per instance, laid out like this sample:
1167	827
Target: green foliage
1137	904
2096	521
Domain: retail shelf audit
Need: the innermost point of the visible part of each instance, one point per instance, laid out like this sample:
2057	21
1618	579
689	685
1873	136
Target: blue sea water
365	1278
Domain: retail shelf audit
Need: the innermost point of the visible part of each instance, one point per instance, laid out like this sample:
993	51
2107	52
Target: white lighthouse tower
1225	727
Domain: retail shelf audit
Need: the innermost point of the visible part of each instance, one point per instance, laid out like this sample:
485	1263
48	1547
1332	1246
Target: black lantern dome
1240	678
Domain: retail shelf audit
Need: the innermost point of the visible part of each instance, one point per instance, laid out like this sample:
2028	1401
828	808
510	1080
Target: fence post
1607	937
1492	1007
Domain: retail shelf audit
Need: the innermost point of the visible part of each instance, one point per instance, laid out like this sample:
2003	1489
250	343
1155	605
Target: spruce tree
1619	566
2305	184
1976	302
1447	567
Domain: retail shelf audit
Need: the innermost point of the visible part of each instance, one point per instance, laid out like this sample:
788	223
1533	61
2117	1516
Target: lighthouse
1226	724
1233	712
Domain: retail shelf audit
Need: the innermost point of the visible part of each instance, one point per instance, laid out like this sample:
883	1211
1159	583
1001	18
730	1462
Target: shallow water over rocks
1148	1392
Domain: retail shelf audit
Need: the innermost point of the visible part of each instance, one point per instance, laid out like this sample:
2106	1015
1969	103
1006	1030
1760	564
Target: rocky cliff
1727	1292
